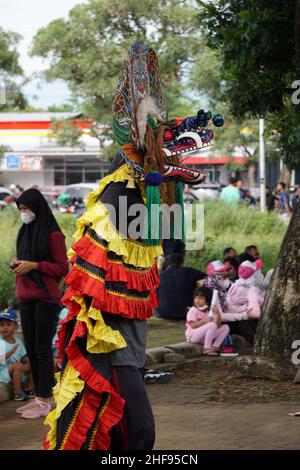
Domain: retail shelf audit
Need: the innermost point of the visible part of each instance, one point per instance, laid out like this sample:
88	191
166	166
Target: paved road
185	421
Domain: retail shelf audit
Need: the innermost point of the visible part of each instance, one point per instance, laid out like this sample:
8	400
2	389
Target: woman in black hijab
41	263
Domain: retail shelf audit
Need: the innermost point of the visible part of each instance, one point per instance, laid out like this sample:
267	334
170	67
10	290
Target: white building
34	158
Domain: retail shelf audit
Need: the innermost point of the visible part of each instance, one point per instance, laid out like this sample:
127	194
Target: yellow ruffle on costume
64	392
97	217
100	337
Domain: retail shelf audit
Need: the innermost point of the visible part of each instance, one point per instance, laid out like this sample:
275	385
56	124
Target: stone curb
172	353
5	392
180	352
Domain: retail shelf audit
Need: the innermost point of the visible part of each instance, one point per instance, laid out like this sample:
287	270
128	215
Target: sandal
210	352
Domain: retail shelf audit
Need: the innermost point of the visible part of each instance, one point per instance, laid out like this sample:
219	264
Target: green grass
162	332
9	223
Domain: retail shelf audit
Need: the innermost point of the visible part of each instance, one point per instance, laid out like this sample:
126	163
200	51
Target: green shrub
226	226
223	226
67	225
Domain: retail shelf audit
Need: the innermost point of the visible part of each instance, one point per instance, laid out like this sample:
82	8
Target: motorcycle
71	205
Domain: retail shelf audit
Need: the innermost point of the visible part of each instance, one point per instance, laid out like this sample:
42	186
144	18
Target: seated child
203	328
62	315
13	357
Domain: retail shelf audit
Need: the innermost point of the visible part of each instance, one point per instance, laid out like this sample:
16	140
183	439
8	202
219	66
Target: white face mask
203	307
224	283
250	281
246	282
27	217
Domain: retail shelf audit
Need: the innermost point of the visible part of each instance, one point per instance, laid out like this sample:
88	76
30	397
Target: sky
26	17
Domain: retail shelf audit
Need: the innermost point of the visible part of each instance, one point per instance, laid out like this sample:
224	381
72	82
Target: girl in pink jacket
204	327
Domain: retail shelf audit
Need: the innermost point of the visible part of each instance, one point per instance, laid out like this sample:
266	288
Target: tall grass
224	226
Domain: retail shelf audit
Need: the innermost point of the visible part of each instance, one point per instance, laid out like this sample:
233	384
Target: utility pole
262	166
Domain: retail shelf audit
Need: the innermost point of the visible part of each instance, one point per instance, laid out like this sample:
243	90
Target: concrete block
188	350
156	355
5	392
174	358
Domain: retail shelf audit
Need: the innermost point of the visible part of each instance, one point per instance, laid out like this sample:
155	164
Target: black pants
39	322
245	328
136	431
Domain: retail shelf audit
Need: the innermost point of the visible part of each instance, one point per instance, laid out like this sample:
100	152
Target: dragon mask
148	141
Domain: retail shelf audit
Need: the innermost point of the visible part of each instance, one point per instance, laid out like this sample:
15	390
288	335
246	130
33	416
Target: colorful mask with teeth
150	144
140	122
190	135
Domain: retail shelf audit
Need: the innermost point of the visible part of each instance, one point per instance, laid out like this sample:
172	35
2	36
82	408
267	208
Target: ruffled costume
113	275
113	281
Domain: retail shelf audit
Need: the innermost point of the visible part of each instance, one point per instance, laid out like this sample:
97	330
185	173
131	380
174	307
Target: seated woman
233	266
177	284
218	278
244	298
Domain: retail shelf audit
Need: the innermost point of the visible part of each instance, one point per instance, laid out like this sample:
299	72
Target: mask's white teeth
196	138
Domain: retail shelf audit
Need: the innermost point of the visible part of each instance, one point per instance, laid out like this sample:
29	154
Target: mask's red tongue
182	173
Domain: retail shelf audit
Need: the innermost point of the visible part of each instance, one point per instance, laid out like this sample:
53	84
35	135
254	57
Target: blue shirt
230	194
17	356
283	200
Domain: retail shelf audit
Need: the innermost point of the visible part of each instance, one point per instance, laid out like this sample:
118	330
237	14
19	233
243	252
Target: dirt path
185	420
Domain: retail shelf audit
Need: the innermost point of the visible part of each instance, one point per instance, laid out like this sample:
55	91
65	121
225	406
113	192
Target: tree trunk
280	322
297	34
252	174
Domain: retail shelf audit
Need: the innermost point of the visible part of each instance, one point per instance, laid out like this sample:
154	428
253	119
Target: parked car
73	199
189	197
5	194
80	190
51	194
205	191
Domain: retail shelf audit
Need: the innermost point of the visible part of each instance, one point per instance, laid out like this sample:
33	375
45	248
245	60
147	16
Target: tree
88	48
238	133
10	71
297	34
280	323
256	59
258	42
258	63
